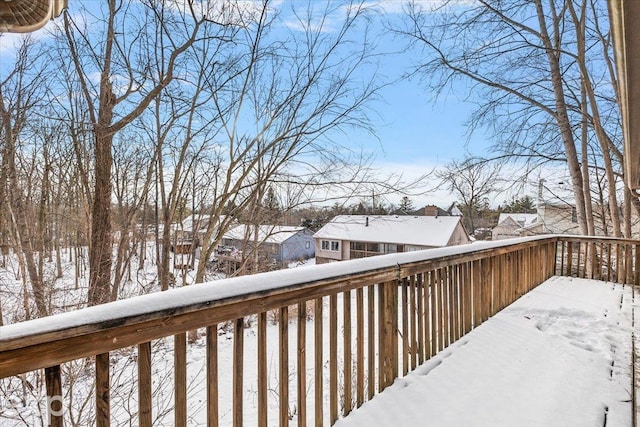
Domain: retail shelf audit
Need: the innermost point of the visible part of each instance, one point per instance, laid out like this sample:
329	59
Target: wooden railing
355	327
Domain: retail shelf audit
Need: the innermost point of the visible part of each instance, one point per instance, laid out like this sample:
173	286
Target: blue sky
414	132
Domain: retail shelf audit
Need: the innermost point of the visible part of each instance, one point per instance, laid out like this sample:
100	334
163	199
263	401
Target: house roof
522	219
400	229
266	233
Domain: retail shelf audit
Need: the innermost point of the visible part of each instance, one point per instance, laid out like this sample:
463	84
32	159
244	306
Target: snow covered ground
559	356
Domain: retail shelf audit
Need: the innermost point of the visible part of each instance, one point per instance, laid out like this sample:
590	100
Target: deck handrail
255	288
418	303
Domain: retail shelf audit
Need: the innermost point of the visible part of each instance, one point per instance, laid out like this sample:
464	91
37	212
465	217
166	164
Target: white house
358	236
510	224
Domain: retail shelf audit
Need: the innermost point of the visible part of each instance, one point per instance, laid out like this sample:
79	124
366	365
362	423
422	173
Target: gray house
271	245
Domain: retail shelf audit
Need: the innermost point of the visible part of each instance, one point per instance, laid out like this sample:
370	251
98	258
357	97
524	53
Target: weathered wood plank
53	383
238	372
263	385
283	389
404	308
435	311
417	281
347	356
212	376
371	342
333	358
388	358
318	362
360	392
302	365
144	385
103	391
413	343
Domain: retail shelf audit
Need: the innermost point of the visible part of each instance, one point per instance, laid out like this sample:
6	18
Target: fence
345	330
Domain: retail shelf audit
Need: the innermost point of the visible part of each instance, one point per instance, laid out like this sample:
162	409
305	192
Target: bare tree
298	89
533	65
114	55
20	92
472	180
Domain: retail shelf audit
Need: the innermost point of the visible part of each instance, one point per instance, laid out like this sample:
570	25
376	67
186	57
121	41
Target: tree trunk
562	119
100	248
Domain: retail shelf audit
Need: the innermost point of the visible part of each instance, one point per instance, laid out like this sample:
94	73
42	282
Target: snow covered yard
559	356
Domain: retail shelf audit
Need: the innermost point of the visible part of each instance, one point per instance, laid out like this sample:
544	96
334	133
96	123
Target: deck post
388	333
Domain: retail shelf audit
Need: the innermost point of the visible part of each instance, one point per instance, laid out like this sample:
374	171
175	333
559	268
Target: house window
390	248
330	245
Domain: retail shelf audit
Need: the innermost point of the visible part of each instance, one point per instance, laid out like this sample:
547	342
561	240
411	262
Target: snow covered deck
559	356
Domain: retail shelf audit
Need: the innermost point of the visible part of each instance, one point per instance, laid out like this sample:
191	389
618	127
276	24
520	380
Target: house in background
358	236
270	245
510	224
195	226
553	218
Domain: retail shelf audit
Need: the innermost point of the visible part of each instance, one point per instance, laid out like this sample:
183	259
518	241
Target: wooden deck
559	356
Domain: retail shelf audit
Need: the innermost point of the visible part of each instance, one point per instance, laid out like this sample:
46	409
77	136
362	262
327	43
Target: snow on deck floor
559	356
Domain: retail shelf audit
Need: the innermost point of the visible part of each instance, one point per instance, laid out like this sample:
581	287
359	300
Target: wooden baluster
442	299
637	263
476	291
103	409
426	295
302	364
578	258
405	327
435	311
489	288
180	386
283	370
55	409
318	362
455	305
609	250
467	289
263	386
413	348
238	372
371	342
144	385
212	376
417	280
618	263
360	347
346	346
333	358
388	347
446	309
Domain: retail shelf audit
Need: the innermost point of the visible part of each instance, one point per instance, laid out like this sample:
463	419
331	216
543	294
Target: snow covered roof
401	229
523	219
266	233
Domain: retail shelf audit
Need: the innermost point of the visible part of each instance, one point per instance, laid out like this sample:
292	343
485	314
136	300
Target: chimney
431	210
